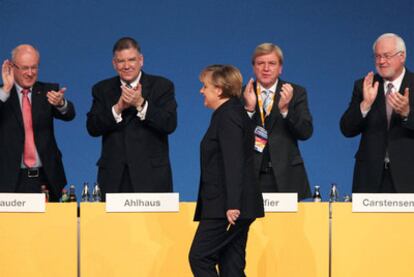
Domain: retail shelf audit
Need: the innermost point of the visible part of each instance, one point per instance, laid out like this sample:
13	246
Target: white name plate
383	202
22	202
142	202
280	202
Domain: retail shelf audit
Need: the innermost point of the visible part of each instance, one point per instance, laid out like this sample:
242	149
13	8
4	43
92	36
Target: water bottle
96	193
317	194
72	193
333	194
85	197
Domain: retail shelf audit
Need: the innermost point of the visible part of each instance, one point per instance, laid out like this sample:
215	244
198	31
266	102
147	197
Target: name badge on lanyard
260	138
260	133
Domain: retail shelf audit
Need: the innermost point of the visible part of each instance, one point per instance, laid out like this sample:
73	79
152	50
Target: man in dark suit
280	112
134	113
29	155
380	110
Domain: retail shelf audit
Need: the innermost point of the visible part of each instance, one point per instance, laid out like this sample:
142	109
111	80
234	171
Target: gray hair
24	48
399	42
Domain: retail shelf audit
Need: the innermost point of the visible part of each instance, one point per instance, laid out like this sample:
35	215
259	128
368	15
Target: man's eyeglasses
26	68
386	56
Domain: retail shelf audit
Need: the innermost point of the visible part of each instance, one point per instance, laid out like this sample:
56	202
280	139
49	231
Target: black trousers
30	184
124	186
267	181
387	184
215	245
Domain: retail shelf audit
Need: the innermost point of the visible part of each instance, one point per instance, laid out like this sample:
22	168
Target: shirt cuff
64	108
3	95
142	111
364	113
118	117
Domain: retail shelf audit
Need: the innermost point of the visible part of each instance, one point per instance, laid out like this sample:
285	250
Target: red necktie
29	153
390	86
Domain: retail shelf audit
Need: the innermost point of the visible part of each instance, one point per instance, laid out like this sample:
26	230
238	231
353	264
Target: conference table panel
39	244
371	244
157	244
290	244
135	244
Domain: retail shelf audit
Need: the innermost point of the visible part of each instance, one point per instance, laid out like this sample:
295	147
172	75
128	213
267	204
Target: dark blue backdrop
327	45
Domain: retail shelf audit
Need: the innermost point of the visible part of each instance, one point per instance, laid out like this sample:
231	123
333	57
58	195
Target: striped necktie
267	100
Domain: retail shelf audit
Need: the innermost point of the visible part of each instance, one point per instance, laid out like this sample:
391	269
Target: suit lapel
15	104
380	101
36	102
405	82
114	91
145	84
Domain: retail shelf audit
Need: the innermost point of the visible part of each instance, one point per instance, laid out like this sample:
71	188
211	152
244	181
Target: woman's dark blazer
227	166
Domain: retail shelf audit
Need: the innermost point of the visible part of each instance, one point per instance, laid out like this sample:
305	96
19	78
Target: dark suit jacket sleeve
409	83
70	111
68	115
299	119
100	119
410	119
162	107
1	102
230	135
352	123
